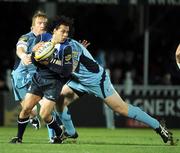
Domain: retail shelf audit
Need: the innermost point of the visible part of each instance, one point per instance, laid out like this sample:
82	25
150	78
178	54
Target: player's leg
51	97
69	129
51	132
67	96
30	101
118	105
46	114
107	92
33	119
20	91
113	100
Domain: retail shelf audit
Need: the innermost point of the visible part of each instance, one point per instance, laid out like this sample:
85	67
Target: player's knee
121	109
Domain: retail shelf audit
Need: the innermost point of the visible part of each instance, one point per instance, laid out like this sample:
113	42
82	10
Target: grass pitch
91	140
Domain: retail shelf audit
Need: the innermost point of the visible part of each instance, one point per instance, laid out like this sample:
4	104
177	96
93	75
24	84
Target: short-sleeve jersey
85	68
26	41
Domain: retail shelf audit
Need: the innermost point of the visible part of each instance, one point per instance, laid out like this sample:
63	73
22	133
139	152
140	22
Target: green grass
91	140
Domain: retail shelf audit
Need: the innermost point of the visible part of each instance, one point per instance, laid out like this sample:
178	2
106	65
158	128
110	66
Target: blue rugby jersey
61	63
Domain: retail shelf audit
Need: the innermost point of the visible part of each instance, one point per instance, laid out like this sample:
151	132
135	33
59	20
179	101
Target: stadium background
137	38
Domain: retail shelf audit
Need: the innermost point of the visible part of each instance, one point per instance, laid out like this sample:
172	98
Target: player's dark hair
62	20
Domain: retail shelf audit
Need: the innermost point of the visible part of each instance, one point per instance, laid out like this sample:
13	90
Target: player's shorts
48	88
102	90
20	83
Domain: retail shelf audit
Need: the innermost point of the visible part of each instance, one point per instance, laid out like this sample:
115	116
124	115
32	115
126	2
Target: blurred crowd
162	71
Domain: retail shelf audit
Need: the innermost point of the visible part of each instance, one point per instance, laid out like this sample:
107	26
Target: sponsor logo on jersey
68	57
74	54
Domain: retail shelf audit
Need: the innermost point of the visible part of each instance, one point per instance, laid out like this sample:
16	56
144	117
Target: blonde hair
38	14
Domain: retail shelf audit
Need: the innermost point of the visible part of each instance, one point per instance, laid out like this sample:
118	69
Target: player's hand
85	43
178	54
26	59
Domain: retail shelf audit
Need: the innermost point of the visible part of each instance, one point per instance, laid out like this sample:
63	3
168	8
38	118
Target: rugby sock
137	114
65	118
58	119
53	125
51	132
22	123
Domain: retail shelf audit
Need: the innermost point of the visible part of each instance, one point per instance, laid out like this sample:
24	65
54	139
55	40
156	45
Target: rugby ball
44	51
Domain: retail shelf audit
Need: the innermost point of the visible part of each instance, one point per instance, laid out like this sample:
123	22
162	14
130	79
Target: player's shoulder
46	34
75	43
25	37
71	41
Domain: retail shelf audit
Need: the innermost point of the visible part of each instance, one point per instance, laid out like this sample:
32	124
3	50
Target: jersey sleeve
23	42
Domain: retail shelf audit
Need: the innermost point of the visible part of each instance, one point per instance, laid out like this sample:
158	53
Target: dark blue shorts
48	88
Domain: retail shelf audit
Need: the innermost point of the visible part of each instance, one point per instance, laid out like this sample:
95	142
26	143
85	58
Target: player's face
39	26
61	34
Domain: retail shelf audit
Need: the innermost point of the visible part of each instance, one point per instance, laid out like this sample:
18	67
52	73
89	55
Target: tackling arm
21	49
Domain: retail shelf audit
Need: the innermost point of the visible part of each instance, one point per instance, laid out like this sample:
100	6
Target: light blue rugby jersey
85	68
27	40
